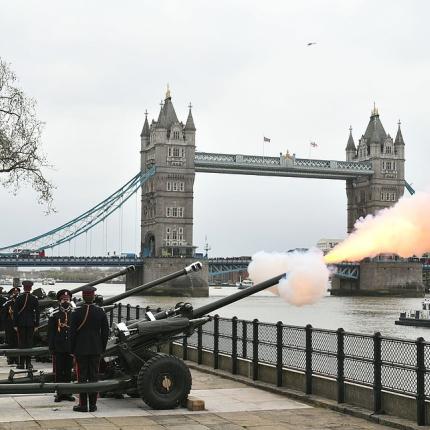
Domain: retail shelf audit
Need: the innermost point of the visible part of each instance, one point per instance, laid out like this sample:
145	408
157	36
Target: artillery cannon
130	363
107	304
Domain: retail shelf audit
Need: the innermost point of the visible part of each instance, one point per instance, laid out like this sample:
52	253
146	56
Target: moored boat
246	283
418	318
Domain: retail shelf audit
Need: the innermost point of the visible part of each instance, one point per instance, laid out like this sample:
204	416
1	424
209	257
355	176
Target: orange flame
403	229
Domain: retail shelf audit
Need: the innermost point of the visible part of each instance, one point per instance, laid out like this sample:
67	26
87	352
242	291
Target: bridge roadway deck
216	265
230	405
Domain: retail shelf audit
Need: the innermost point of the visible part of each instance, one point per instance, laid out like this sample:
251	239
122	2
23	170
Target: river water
354	314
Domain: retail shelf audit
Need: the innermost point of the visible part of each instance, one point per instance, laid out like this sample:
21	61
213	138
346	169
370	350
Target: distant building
327	244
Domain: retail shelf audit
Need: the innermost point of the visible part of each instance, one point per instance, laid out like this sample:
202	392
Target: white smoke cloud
307	274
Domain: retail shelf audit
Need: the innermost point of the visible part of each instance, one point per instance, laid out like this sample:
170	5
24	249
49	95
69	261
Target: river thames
354	314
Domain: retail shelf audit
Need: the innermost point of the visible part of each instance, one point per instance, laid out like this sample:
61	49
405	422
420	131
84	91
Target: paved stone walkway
230	405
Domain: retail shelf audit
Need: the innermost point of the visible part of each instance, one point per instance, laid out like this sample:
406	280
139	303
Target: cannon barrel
67	387
194	267
224	301
106	278
187	310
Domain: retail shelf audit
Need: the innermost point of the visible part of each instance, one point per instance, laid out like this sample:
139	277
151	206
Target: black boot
93	400
83	406
68	397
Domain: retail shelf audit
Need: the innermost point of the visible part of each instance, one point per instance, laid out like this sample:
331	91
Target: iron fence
389	364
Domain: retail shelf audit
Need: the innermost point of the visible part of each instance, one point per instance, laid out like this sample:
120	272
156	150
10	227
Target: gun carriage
130	363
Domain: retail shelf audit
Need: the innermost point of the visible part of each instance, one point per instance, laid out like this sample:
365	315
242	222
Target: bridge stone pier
382	278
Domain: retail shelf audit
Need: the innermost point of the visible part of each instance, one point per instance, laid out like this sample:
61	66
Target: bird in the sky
312	43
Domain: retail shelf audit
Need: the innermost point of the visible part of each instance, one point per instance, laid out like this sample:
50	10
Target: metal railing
388	364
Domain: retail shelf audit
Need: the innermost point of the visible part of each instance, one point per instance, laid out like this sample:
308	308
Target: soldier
8	324
89	332
26	321
59	342
3	297
3	300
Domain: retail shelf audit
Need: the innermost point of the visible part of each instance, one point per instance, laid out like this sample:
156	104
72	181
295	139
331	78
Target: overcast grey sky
94	67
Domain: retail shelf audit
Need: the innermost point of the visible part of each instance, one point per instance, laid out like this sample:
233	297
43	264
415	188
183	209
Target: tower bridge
373	172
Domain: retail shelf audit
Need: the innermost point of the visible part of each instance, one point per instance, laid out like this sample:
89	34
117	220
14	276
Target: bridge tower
167	198
367	195
167	204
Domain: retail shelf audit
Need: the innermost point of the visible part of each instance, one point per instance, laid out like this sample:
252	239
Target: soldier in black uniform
59	342
8	324
26	321
3	297
89	332
3	300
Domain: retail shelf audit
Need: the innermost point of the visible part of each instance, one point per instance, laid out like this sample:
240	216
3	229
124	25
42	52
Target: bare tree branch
21	157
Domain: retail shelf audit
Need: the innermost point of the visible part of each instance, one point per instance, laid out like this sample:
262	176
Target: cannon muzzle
105	279
194	267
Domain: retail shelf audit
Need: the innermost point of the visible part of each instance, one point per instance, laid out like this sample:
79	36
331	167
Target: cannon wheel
164	382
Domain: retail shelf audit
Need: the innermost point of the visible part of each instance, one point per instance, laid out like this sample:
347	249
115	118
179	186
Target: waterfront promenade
230	405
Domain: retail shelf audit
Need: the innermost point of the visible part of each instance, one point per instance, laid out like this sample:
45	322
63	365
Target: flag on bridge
314	145
266	139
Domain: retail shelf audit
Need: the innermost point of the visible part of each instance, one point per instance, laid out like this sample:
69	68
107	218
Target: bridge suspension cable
86	221
409	188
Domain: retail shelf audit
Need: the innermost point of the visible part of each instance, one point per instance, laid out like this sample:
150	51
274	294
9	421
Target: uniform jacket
89	337
59	331
26	311
6	314
3	300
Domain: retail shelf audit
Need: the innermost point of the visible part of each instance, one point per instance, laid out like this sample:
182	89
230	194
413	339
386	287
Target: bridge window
175	212
175	186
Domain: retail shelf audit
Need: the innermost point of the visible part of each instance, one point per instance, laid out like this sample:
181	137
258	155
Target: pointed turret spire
375	131
350	145
145	129
167	115
399	137
190	121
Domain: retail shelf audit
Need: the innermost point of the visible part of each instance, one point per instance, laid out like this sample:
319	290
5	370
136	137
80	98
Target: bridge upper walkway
284	165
